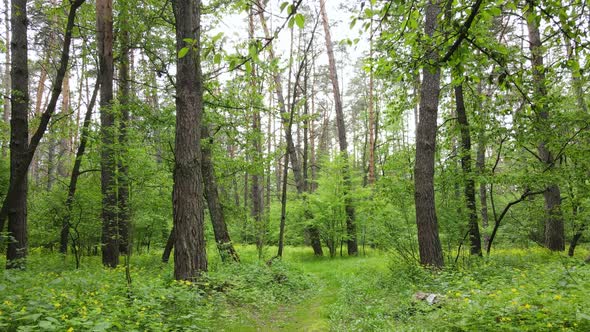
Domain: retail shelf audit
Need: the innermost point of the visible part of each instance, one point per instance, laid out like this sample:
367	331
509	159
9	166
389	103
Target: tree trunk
257	178
7	80
474	236
123	213
190	258
19	136
428	239
283	207
349	207
282	106
108	179
483	197
371	124
222	239
554	225
20	174
65	230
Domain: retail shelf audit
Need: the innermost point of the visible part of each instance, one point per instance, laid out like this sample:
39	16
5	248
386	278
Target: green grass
514	290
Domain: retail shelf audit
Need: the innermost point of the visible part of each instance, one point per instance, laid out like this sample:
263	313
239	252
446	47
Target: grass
514	290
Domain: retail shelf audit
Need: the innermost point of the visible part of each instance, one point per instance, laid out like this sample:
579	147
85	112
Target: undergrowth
51	296
514	290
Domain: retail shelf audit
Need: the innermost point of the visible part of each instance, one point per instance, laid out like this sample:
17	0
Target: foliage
513	290
49	296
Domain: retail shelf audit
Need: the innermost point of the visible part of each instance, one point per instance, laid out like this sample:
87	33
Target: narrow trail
312	313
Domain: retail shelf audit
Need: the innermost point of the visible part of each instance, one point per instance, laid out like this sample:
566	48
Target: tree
110	229
19	136
190	257
426	220
554	227
474	236
350	222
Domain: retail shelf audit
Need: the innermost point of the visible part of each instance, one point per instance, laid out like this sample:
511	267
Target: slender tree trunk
190	257
19	136
428	239
169	247
257	178
123	213
554	224
349	207
474	236
64	148
282	105
110	232
65	230
283	207
7	79
371	124
222	238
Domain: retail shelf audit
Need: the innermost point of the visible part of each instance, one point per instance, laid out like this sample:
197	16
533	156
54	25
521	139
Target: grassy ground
514	290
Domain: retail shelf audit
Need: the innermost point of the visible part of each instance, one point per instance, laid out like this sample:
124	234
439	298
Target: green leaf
217	59
291	22
300	20
182	53
283	5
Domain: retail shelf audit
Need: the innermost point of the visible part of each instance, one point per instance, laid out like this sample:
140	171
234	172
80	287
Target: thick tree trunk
19	136
349	207
428	239
65	230
20	174
554	225
222	238
108	179
190	257
474	235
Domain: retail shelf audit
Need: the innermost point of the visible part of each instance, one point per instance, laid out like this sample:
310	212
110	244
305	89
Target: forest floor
312	313
514	289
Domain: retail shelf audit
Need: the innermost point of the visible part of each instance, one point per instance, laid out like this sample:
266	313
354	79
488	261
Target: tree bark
65	230
7	80
474	235
352	245
222	238
108	179
123	213
19	136
190	257
426	220
554	224
257	178
20	174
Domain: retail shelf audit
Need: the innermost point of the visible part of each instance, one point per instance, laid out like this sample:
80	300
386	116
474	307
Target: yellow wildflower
557	297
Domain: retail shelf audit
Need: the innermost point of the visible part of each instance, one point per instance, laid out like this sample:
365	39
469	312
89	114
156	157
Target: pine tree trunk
428	239
108	179
349	207
190	257
19	175
123	213
19	136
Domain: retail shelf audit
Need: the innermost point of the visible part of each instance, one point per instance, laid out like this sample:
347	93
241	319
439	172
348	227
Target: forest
294	165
